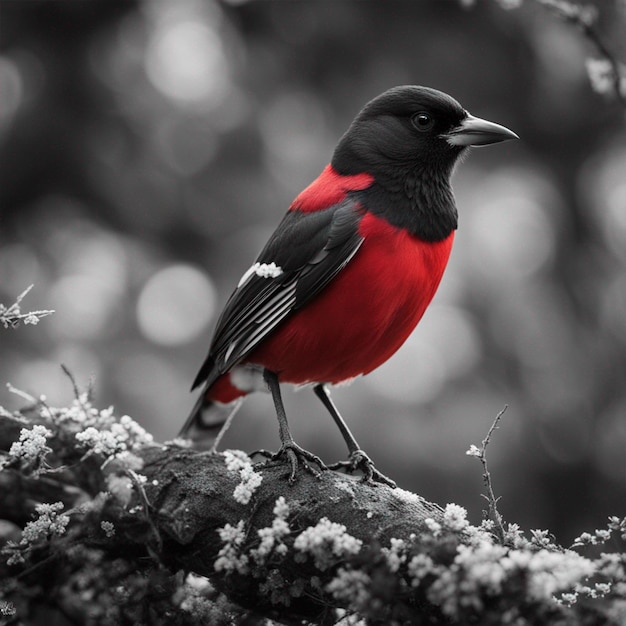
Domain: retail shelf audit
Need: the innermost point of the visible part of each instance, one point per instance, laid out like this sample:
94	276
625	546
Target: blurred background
149	148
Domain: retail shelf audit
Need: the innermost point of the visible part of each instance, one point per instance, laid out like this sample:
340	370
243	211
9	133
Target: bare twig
481	455
584	17
606	73
69	374
11	316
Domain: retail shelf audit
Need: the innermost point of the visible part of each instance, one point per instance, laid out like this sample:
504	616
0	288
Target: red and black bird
350	269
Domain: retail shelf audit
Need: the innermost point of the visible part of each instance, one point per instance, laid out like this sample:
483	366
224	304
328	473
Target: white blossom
272	536
454	518
395	555
420	566
484	570
114	438
326	542
230	558
474	451
32	445
49	523
108	528
433	526
238	461
352	587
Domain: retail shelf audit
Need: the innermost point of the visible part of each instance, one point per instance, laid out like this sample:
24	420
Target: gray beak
473	131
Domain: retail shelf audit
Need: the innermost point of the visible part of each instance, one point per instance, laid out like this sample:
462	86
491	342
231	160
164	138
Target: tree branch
103	526
191	496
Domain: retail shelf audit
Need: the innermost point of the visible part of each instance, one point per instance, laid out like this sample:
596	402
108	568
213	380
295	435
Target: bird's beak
473	131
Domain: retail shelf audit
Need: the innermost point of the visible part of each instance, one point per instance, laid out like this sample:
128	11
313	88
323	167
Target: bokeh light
185	57
175	305
510	233
446	346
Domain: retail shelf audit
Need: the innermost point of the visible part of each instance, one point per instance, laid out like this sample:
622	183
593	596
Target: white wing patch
264	270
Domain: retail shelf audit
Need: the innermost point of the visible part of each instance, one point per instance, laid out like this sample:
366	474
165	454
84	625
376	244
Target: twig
584	18
69	374
147	507
481	455
11	316
22	394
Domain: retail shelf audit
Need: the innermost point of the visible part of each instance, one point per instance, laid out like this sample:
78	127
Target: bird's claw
358	460
296	455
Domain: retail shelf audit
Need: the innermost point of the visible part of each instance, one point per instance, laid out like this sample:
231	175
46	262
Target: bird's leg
357	458
288	446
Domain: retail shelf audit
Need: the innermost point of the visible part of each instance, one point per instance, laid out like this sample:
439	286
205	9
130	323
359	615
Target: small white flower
584	540
32	444
281	508
233	534
474	451
236	460
603	588
454	518
433	526
396	554
272	536
420	566
569	598
108	528
352	587
229	558
326	542
103	442
49	523
250	480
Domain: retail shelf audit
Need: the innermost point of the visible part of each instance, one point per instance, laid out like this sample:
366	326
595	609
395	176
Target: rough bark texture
193	498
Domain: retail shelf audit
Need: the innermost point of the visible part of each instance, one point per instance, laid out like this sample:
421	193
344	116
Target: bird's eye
423	121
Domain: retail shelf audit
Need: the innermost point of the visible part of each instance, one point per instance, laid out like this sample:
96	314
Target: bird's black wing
303	255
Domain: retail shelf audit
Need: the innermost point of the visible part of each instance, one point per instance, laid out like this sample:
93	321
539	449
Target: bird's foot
296	456
358	460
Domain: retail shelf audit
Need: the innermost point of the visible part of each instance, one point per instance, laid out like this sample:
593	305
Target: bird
349	271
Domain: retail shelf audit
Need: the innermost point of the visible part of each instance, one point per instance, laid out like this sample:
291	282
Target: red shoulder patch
329	188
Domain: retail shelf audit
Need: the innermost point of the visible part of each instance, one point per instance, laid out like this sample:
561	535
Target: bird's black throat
419	201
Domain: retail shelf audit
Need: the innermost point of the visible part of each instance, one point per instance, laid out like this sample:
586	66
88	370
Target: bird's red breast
366	313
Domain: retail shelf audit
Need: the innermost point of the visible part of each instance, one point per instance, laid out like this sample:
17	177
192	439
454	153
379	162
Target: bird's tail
208	422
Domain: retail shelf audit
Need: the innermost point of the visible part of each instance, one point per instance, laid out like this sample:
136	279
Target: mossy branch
102	526
192	497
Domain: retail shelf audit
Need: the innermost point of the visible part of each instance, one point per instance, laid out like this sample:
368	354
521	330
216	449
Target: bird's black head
409	139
